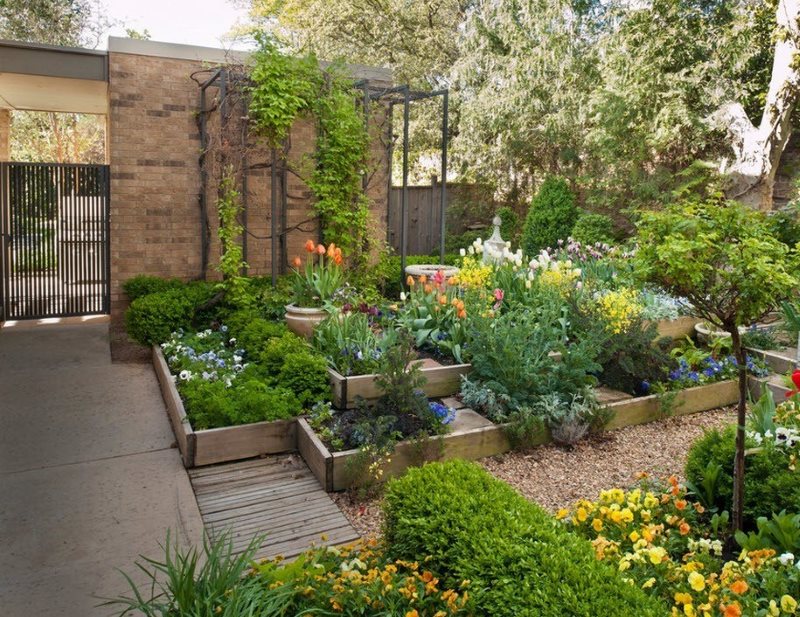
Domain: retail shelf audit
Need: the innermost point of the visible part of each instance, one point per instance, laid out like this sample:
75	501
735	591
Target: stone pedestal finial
493	247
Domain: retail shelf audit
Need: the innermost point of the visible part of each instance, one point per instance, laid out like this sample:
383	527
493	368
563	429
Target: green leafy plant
770	486
144	284
467	525
721	257
781	533
551	217
231	261
284	88
350	343
593	229
151	319
205	583
315	284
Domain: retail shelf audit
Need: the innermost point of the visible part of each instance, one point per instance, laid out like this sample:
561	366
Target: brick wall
154	149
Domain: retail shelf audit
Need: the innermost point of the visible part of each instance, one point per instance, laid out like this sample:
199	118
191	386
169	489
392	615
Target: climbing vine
285	88
231	262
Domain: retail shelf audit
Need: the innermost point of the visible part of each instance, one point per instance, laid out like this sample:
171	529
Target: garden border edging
219	445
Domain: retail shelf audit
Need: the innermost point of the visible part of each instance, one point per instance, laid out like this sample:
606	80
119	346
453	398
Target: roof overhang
50	78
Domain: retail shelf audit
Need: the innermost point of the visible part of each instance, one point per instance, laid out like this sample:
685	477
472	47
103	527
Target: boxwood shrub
150	319
144	285
519	561
769	485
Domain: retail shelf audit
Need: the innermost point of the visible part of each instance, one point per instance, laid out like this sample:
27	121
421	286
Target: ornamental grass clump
466	525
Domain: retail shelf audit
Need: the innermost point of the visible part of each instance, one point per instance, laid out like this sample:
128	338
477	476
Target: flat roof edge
215	55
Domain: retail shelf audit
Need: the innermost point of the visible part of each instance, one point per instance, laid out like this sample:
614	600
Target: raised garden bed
780	361
441	381
677	328
218	445
474	437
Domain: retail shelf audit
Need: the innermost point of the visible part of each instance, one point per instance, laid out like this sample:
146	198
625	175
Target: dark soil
123	349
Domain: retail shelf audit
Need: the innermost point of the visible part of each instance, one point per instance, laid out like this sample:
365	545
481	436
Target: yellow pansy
788	604
697	581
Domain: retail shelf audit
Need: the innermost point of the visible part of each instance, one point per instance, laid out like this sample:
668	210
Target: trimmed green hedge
519	560
151	319
144	285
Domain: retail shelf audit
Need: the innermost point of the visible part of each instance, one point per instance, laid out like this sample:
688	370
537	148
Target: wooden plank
177	414
677	328
231	487
228	468
254	497
692	400
441	381
469	444
245	441
779	362
314	453
261	511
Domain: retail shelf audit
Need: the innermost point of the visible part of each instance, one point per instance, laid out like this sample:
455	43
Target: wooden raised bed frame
333	469
441	381
678	328
218	445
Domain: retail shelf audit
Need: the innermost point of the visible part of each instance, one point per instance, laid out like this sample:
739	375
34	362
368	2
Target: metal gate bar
54	257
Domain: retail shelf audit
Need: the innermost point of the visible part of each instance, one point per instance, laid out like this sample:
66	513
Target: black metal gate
54	254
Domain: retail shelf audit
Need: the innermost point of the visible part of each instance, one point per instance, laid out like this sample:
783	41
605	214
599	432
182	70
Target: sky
192	22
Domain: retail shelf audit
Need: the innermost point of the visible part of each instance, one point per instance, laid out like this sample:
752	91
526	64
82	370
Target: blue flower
445	414
693	376
644	386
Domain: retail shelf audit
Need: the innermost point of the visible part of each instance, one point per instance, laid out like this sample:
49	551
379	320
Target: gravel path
555	477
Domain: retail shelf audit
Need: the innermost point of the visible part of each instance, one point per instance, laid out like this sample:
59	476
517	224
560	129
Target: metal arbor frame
222	79
403	95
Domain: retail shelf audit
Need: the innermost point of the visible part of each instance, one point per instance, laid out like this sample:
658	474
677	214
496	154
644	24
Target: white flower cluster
786	437
220	363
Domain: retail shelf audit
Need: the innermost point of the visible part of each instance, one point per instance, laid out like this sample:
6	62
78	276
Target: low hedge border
467	525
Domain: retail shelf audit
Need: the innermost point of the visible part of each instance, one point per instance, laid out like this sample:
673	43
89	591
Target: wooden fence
424	209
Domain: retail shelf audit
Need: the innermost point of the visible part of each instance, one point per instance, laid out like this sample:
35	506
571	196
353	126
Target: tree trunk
758	149
741	418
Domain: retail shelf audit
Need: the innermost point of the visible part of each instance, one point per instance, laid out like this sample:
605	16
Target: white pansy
463	252
402	296
786	559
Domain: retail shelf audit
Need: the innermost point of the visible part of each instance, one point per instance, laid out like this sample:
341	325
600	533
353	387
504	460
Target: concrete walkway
88	480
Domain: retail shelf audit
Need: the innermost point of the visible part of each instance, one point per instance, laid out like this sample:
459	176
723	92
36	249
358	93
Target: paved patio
88	477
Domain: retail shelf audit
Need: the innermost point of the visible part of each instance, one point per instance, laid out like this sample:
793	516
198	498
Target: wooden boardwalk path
277	496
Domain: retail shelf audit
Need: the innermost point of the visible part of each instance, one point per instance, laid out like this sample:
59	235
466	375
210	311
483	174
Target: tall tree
758	147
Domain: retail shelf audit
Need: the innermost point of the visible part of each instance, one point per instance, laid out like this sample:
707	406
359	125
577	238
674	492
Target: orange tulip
297	262
337	259
462	314
310	246
410	281
442	299
331	249
320	249
428	289
423	279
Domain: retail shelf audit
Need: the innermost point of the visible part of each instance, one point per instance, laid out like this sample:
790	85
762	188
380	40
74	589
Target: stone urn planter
302	320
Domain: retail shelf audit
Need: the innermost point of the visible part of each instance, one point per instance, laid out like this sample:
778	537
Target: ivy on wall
285	88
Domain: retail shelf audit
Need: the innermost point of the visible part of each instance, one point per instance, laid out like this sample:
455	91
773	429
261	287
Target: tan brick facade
154	150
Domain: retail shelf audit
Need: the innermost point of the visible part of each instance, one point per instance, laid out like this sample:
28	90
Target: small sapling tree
721	257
